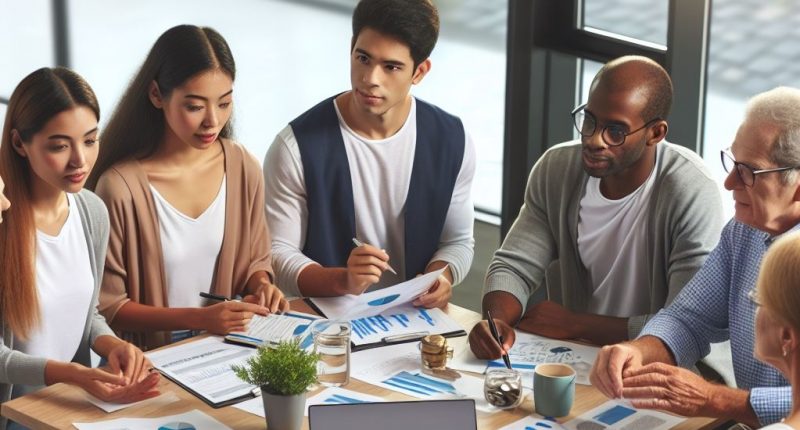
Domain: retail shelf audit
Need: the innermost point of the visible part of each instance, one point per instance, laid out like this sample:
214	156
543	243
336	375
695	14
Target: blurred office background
291	54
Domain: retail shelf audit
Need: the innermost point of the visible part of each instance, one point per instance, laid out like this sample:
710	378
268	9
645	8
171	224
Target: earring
785	352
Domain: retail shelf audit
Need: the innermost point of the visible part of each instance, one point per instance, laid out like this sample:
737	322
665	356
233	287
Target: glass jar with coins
502	388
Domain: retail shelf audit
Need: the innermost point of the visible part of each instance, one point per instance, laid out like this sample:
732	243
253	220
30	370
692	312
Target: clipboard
255	392
449	328
202	367
276	327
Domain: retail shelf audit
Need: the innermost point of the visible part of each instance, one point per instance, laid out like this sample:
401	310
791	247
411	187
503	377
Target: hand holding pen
228	315
365	266
497	337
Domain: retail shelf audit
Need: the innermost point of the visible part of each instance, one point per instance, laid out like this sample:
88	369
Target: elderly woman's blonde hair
778	286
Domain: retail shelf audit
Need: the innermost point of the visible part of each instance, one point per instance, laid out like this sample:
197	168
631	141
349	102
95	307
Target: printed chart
192	420
329	396
399	321
530	350
617	415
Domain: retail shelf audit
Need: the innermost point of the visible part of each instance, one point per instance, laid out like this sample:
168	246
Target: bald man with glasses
762	166
613	225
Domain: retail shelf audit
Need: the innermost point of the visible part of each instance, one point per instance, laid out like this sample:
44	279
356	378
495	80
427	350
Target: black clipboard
365	346
251	395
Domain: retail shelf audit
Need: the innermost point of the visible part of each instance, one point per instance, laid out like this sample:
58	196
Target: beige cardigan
134	267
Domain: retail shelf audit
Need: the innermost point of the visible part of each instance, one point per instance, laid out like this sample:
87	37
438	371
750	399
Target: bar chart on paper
399	321
419	385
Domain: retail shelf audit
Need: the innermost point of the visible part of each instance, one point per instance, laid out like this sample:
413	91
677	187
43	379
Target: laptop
429	414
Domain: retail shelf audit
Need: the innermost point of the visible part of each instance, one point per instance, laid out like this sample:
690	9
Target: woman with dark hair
186	202
56	228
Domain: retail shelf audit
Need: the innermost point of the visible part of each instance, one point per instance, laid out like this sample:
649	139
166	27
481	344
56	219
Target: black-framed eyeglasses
753	296
612	134
746	173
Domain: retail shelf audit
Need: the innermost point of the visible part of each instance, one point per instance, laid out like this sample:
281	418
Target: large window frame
546	41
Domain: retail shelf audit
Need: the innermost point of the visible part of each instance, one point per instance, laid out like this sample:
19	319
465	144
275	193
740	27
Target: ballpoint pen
404	337
497	337
360	243
212	296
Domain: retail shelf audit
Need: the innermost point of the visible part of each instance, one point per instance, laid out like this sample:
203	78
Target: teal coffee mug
553	389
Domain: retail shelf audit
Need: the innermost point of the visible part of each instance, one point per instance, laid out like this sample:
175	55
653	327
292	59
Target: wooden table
58	406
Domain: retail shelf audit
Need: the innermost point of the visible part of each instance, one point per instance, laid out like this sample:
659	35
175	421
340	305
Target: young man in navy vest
376	164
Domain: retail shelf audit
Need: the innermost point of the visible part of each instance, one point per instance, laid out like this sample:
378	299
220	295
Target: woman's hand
262	292
101	383
225	317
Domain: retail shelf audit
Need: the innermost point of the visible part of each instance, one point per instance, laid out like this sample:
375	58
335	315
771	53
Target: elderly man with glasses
763	175
613	225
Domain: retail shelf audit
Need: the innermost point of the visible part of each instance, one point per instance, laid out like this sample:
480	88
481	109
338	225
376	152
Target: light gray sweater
19	368
683	226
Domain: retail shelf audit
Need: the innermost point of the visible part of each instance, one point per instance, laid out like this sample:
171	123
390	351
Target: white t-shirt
65	284
612	243
380	171
778	426
190	247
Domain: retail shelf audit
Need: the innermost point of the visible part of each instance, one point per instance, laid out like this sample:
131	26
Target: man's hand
549	319
365	266
263	293
669	388
483	344
438	296
611	365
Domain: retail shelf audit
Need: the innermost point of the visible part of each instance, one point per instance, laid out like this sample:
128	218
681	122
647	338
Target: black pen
497	338
212	296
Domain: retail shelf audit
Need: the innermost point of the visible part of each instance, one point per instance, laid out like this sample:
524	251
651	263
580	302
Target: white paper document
329	396
162	399
204	367
397	368
392	325
375	302
618	415
273	328
534	422
530	350
194	420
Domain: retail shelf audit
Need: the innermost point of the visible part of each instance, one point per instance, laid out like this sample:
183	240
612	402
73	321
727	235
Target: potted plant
284	372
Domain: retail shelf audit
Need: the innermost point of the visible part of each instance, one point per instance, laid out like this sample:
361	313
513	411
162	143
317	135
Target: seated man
612	226
762	173
374	165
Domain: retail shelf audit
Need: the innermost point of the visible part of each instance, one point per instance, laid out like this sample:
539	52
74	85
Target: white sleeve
457	242
287	213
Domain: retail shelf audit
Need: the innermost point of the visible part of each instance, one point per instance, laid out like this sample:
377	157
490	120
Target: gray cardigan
684	223
19	368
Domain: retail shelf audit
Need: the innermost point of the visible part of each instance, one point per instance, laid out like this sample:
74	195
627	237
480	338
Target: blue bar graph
380	324
419	384
338	399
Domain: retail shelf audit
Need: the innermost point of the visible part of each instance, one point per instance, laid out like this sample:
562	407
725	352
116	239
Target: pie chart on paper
177	426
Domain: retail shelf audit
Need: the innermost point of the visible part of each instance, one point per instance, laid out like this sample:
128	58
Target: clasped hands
618	372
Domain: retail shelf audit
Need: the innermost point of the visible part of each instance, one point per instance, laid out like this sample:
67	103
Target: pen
404	337
493	329
360	243
214	297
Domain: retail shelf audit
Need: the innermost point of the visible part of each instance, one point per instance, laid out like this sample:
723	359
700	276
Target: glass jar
502	388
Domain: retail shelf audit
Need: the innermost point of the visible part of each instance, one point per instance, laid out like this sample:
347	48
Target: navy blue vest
329	190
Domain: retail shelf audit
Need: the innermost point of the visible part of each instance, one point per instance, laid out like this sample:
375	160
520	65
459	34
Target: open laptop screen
429	414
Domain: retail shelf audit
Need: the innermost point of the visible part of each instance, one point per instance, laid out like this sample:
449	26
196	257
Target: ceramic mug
553	389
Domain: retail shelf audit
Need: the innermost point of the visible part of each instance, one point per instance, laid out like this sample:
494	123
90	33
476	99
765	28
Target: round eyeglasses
745	173
612	134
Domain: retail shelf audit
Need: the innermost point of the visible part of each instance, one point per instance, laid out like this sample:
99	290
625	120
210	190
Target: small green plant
285	369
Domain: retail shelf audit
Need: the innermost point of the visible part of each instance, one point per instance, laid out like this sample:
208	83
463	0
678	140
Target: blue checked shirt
714	307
